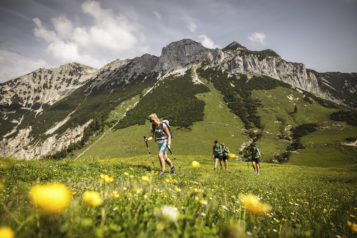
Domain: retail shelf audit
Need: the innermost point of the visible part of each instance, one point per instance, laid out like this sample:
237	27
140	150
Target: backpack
166	122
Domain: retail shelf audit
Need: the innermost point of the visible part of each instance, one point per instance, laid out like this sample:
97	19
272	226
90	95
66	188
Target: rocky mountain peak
233	46
180	53
114	64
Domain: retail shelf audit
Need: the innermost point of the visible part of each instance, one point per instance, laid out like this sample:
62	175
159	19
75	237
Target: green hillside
278	112
218	123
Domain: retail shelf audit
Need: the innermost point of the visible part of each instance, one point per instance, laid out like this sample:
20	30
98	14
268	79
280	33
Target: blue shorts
163	146
256	160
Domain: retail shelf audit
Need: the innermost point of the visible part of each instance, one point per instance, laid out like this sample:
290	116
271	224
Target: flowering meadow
125	197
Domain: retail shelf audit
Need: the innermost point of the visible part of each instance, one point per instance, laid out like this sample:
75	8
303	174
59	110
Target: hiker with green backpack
255	153
217	154
162	133
225	152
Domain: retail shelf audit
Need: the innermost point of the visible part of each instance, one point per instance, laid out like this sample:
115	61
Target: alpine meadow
75	164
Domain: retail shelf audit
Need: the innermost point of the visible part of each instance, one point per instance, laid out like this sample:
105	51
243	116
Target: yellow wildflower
131	176
115	194
349	223
353	216
178	190
6	232
137	190
167	180
145	179
174	181
277	220
108	179
231	155
234	197
325	210
50	198
203	202
197	190
126	173
92	198
195	164
283	220
354	227
253	205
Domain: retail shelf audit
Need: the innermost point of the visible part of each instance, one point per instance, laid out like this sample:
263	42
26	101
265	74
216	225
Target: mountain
65	110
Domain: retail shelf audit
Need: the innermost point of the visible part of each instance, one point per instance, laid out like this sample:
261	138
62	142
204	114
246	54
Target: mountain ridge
102	89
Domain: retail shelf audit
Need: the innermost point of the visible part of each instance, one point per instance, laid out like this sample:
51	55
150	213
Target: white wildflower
170	213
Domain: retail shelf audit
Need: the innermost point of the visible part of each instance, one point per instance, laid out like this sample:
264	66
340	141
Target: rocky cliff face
236	59
125	71
45	86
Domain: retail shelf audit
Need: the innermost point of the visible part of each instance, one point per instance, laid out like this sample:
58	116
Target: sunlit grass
304	201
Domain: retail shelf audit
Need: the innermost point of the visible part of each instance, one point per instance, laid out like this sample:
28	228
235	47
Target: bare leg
168	161
254	165
220	163
226	164
258	168
162	161
215	163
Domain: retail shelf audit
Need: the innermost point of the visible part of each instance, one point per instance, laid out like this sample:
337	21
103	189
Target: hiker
255	153
216	154
225	151
163	138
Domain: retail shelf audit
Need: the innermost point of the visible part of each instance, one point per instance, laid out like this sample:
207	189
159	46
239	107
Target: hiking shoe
173	169
162	173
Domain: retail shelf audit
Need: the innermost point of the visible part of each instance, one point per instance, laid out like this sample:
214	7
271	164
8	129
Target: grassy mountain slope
279	110
218	123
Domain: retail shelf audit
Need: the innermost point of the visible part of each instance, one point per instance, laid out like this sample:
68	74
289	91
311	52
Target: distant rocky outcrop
45	86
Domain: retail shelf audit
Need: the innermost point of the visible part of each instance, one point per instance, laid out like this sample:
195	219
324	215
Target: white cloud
207	42
109	34
13	65
63	26
41	32
257	37
191	26
157	15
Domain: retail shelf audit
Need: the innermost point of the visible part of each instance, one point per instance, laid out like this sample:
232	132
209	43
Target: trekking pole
174	158
147	146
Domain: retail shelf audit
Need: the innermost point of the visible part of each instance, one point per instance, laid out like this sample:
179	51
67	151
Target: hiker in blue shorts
163	138
255	153
225	152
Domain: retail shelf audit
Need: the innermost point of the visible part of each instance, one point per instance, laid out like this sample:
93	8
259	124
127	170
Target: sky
322	34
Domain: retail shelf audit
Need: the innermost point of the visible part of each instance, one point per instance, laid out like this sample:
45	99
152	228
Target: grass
324	148
306	201
277	114
196	140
